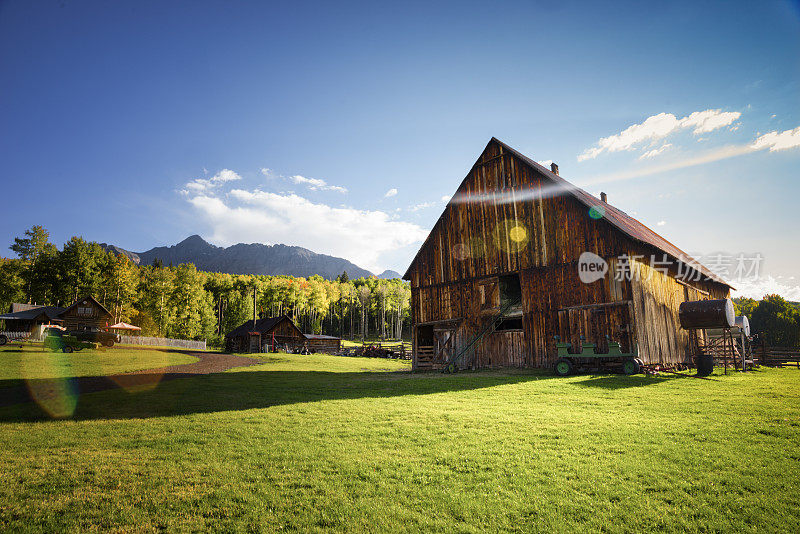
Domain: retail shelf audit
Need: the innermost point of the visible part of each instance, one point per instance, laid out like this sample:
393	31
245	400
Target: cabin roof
616	217
82	300
263	326
32	312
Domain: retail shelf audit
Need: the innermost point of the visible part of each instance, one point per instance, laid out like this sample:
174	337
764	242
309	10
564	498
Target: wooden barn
498	277
84	313
259	337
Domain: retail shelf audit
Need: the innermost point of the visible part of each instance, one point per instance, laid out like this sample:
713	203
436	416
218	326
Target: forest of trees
182	302
776	320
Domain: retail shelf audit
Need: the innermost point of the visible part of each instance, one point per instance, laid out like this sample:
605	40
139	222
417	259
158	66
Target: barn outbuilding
322	343
258	337
520	256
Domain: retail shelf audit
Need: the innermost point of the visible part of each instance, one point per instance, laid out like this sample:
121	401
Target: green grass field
321	443
21	361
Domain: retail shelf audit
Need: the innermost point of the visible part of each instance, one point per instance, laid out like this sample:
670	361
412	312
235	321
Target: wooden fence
163	342
778	356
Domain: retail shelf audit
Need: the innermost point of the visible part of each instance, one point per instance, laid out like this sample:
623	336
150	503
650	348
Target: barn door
443	344
595	323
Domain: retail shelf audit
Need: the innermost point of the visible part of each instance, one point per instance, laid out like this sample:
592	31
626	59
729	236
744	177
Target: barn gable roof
623	222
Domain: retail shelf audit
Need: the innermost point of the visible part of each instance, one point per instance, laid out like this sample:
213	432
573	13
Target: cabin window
510	324
510	289
85	311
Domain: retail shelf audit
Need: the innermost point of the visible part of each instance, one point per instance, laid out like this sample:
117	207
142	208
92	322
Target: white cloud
765	285
709	120
658	127
661	223
655	152
778	141
445	198
390	193
546	163
422	206
316	184
361	236
204	184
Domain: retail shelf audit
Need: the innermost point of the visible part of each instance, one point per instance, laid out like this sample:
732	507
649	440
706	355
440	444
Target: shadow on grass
622	381
153	395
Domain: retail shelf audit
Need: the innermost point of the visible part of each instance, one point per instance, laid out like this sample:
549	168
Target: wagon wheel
67	349
630	366
108	343
563	367
3	339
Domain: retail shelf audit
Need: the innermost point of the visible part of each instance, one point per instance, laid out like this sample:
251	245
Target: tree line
775	319
182	302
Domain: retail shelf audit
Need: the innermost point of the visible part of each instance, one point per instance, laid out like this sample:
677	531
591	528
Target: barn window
510	324
510	289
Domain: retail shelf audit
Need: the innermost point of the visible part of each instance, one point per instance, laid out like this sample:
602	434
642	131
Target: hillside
242	258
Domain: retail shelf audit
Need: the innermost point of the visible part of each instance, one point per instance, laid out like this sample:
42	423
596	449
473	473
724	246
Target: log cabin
86	312
258	337
520	256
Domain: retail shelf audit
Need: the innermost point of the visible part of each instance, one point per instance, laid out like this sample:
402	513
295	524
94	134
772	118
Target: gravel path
208	363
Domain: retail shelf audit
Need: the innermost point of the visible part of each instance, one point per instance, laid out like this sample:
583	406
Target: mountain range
253	258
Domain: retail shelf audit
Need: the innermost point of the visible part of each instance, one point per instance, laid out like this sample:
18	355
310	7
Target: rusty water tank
696	314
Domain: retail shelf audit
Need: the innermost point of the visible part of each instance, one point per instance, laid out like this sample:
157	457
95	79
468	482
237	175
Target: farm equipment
588	360
57	340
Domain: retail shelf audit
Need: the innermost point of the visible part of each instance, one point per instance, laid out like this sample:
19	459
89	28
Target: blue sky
140	123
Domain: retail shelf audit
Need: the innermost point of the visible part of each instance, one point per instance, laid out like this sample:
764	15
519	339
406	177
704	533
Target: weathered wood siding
508	218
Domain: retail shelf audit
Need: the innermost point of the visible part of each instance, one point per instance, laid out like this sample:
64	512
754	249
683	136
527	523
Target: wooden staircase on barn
463	358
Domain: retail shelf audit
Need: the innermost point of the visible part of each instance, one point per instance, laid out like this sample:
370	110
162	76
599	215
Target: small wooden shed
259	337
325	344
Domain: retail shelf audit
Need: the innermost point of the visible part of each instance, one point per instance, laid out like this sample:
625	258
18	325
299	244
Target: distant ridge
253	258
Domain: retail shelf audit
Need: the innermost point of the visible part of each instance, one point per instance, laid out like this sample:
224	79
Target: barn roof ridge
623	222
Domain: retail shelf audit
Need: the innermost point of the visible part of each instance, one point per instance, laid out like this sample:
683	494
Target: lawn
350	444
20	361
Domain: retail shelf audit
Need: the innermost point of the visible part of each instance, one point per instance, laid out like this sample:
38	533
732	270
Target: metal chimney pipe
604	197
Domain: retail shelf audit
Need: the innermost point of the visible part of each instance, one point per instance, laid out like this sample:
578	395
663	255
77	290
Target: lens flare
49	384
461	251
597	212
476	247
510	236
518	234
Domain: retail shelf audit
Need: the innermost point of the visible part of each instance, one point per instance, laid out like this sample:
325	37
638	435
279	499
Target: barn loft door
596	321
